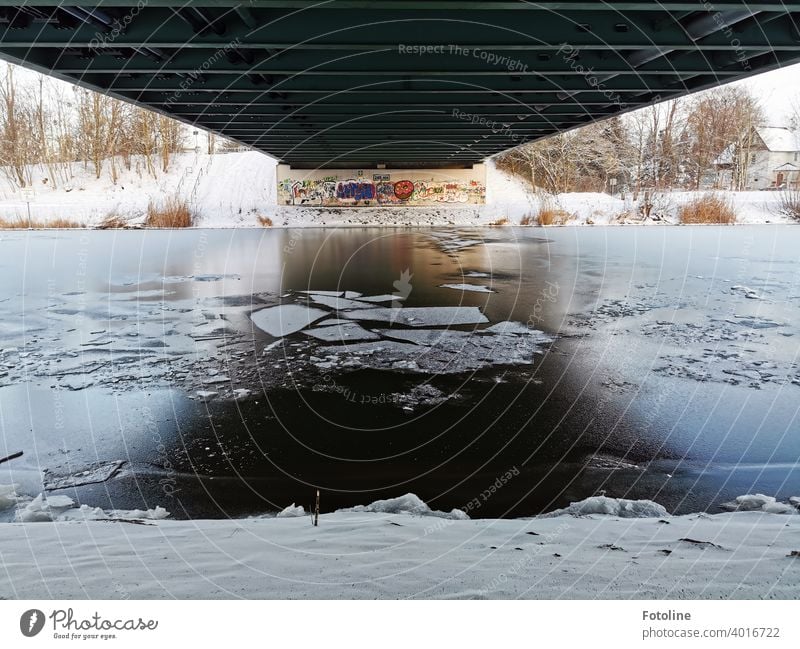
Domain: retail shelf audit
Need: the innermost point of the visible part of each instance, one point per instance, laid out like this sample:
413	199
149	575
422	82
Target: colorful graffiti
333	191
404	189
355	190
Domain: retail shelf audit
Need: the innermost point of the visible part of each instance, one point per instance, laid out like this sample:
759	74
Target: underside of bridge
401	83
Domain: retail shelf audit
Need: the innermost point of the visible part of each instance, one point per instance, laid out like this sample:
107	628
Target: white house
774	160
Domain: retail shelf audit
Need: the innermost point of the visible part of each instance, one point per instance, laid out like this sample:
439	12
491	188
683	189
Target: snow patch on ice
408	504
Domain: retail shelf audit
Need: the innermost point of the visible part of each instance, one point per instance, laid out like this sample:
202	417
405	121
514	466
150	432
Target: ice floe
285	319
474	288
349	332
423	316
381	298
337	303
93	474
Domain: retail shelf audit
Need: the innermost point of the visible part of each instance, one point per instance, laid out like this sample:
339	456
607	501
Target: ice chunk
758	503
241	393
292	511
329	322
346	333
408	504
206	395
613	507
748	292
476	273
44	509
424	316
427	337
94	473
352	294
337	302
475	288
286	318
328	293
8	496
507	328
381	298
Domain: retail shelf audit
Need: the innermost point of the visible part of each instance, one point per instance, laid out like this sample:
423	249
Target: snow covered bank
235	189
375	554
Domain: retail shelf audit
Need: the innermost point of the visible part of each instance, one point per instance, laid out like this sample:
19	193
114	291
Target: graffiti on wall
381	190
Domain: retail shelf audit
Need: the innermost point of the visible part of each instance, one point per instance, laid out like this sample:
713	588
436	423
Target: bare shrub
528	220
501	221
789	204
709	208
265	221
112	221
37	224
173	213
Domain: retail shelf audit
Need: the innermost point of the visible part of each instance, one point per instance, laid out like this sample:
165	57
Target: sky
777	90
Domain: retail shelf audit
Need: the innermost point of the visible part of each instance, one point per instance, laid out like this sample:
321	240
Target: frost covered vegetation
671	146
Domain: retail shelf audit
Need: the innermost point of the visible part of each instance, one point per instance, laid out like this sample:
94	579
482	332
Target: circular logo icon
403	189
31	622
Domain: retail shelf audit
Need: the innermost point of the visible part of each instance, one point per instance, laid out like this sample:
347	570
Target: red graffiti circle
403	189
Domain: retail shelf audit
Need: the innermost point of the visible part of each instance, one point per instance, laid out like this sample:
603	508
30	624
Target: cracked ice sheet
93	474
285	319
349	332
424	316
475	288
445	352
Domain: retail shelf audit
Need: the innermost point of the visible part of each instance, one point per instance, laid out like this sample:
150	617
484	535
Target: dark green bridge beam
351	82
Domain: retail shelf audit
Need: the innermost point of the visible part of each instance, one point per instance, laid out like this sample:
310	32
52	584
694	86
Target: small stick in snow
316	511
13	456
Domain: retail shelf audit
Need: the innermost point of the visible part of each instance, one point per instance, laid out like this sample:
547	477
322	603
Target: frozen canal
506	372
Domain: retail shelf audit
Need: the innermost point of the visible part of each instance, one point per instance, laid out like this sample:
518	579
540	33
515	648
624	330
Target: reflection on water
653	363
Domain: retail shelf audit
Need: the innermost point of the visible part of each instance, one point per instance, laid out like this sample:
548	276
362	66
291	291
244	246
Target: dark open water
673	372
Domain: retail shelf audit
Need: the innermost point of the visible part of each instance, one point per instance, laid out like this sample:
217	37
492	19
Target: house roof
779	138
787	166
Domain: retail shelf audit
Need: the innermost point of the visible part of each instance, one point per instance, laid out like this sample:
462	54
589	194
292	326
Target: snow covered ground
600	548
235	189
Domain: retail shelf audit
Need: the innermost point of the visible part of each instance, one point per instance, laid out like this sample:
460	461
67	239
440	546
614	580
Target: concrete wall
381	187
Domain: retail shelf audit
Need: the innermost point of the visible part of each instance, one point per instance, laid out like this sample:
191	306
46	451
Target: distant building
774	160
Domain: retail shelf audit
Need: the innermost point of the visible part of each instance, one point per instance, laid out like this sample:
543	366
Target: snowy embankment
599	548
235	189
